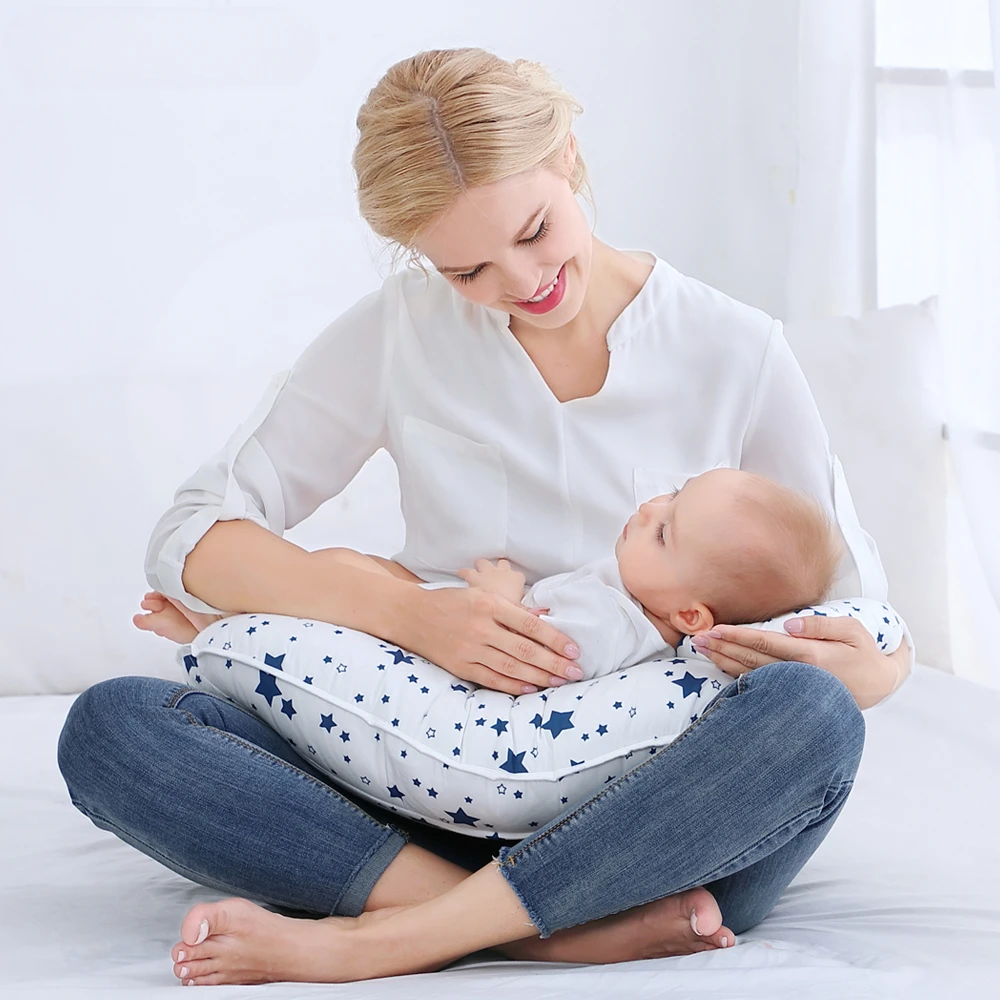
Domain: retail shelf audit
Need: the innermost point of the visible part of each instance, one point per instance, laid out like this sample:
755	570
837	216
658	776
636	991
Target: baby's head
729	547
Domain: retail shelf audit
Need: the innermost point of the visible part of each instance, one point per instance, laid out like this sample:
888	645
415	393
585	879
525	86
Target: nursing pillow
407	735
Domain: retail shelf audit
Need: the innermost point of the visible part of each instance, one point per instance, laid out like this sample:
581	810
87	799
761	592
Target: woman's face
503	243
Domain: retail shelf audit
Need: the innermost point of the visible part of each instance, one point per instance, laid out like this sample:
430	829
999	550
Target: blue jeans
737	803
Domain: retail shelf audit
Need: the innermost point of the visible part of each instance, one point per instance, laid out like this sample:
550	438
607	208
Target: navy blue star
480	722
432	793
536	721
881	638
617	704
394	792
602	729
670	704
412	678
585	736
359	698
459	687
416	781
558	721
458	725
273	661
395	723
462	818
381	666
385	699
675	662
514	763
287	708
398	656
573	763
690	684
518	795
668	673
307	680
467	799
456	752
500	726
189	662
345	737
267	687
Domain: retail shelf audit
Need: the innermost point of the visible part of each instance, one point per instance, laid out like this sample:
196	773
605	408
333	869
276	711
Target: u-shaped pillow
409	736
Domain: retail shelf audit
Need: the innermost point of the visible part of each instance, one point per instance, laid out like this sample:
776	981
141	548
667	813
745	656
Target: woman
531	391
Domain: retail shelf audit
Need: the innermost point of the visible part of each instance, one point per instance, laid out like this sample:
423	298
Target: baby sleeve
599	619
785	440
305	440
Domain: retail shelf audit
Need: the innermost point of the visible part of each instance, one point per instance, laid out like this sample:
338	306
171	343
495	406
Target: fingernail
181	955
528	689
557	681
725	942
202	932
572	651
694	922
714	634
574	672
184	972
794	625
699	640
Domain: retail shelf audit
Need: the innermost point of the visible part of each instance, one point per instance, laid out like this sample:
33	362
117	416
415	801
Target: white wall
177	221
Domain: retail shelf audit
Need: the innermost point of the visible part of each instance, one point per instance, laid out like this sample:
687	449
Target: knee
817	709
85	741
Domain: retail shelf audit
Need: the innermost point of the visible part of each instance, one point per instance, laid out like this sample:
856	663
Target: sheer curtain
899	199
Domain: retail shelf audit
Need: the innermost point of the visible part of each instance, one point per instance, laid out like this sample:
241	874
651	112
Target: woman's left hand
842	646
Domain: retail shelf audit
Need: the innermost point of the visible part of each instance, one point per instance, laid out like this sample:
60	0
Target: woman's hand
842	646
484	638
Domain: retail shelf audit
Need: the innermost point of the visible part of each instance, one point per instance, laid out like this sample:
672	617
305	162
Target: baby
729	547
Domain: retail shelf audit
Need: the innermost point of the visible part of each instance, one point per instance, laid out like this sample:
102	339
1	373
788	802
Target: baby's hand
497	579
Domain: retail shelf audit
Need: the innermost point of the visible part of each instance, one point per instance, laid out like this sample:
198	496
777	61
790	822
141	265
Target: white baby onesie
592	606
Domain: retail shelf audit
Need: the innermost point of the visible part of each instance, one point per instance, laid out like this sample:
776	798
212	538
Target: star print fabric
405	734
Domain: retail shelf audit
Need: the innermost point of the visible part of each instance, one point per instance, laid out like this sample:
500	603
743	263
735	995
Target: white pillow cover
411	737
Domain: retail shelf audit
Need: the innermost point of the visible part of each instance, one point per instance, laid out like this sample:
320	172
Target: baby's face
664	545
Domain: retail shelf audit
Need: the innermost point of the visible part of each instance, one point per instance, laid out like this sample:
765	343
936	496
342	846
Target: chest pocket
454	493
648	482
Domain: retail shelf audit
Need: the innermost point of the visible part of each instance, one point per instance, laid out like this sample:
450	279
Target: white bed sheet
901	900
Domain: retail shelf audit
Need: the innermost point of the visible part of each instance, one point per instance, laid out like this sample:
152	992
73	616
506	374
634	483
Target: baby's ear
693	620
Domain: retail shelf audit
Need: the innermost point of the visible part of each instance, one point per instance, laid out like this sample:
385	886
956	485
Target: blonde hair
447	120
793	567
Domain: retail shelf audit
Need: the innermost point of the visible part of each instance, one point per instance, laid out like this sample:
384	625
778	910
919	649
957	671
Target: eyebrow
670	520
472	267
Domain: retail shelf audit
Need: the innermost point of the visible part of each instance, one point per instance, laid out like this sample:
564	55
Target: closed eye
659	533
540	234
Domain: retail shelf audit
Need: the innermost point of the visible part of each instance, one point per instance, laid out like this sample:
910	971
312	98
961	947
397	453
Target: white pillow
413	738
877	382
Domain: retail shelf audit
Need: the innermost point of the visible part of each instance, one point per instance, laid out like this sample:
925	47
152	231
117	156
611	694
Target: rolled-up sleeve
785	440
312	430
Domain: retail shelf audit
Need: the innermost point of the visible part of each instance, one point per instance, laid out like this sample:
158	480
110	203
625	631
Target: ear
692	620
569	155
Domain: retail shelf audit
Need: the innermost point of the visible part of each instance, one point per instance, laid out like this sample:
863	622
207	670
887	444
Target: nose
524	285
645	512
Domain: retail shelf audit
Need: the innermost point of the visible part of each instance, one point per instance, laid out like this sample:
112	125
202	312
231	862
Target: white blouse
490	463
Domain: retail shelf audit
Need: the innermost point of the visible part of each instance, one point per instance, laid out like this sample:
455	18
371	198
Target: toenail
725	942
181	955
184	972
202	932
694	922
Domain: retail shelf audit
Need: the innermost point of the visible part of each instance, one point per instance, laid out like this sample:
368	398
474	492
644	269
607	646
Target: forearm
240	565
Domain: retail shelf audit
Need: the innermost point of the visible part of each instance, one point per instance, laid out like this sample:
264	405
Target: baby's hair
447	120
791	564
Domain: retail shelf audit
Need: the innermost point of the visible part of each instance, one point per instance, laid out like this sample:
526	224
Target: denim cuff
353	898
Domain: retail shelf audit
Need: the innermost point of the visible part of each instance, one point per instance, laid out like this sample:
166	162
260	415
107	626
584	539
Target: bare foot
170	619
244	944
657	929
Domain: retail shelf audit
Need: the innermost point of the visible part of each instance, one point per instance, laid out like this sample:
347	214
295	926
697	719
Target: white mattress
901	900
